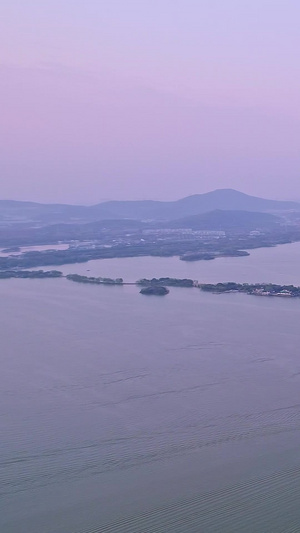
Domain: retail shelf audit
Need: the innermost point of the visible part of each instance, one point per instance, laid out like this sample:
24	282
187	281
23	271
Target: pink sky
148	98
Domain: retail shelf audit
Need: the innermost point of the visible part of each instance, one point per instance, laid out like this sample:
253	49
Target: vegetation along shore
157	286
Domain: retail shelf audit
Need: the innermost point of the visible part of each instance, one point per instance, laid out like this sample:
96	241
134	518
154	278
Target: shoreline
253	289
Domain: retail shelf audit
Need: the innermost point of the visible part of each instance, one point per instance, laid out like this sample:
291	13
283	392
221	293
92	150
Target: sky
148	99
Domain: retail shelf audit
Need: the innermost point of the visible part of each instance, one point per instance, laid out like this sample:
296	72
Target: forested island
168	282
257	289
155	290
97	281
159	285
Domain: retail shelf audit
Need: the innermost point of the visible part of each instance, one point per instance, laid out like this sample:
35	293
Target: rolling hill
227	220
35	214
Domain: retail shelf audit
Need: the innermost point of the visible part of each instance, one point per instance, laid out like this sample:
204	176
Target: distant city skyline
148	99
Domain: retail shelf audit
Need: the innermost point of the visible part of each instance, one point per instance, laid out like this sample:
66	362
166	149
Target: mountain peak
222	199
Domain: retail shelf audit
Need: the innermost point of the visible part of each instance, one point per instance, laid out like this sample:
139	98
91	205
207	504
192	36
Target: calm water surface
277	265
122	413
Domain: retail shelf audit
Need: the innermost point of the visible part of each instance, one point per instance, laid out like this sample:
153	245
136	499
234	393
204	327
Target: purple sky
135	99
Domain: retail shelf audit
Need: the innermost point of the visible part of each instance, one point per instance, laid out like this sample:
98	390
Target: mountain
230	199
227	220
224	199
14	212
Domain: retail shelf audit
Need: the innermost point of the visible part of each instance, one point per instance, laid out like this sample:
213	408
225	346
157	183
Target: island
257	289
168	282
197	256
156	290
97	281
158	286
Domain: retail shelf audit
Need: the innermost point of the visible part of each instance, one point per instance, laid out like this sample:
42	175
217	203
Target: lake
126	413
279	264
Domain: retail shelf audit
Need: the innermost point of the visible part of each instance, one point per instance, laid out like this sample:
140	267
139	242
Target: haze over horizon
155	99
209	194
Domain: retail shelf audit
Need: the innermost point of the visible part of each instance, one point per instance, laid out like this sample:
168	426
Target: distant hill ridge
227	220
233	221
220	199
